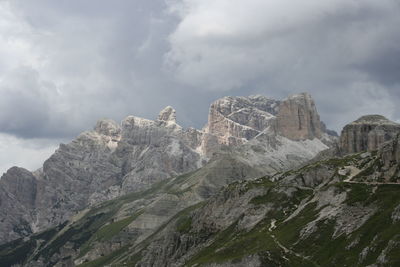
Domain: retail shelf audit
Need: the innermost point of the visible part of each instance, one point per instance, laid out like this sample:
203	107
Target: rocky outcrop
235	120
367	133
385	166
288	219
119	158
18	189
168	114
390	154
298	119
112	160
334	212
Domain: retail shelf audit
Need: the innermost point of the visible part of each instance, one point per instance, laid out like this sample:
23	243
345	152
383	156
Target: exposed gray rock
390	156
298	119
168	114
234	121
367	133
116	159
18	189
288	219
98	165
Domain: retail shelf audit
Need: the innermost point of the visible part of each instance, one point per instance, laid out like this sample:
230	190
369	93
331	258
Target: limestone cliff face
298	119
168	114
390	155
118	158
109	161
18	189
367	133
236	120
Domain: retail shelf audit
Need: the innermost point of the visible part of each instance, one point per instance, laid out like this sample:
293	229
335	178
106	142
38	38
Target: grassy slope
319	248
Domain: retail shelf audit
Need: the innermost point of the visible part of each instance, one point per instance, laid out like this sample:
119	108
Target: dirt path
354	171
285	249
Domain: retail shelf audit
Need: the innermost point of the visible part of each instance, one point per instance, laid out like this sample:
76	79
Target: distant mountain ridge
339	211
115	159
263	183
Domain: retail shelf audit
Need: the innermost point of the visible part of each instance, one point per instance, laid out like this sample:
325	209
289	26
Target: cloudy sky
66	63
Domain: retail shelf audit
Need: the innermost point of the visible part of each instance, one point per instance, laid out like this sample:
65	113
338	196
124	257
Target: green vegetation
233	245
289	232
184	224
282	245
358	193
376	233
108	231
105	259
18	251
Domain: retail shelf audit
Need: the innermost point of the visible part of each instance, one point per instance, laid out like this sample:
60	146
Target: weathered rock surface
115	159
298	119
367	133
168	114
327	213
98	165
18	189
235	120
382	166
291	219
390	155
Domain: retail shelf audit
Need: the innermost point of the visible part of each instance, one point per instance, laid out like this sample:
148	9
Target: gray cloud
64	64
343	52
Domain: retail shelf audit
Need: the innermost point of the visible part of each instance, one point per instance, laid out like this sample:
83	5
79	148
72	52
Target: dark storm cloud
66	64
104	59
336	50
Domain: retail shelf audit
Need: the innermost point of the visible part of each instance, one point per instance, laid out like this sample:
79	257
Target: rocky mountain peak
236	120
117	159
168	114
107	127
298	119
132	122
367	133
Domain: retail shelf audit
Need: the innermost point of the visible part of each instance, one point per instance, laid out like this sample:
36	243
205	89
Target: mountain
367	133
116	159
319	215
263	184
327	213
98	165
235	120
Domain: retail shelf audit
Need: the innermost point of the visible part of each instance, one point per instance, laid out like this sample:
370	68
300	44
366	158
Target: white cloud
65	64
20	152
221	44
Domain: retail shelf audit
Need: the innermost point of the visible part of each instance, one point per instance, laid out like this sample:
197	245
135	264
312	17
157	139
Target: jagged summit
115	159
168	114
236	120
107	127
164	184
298	118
